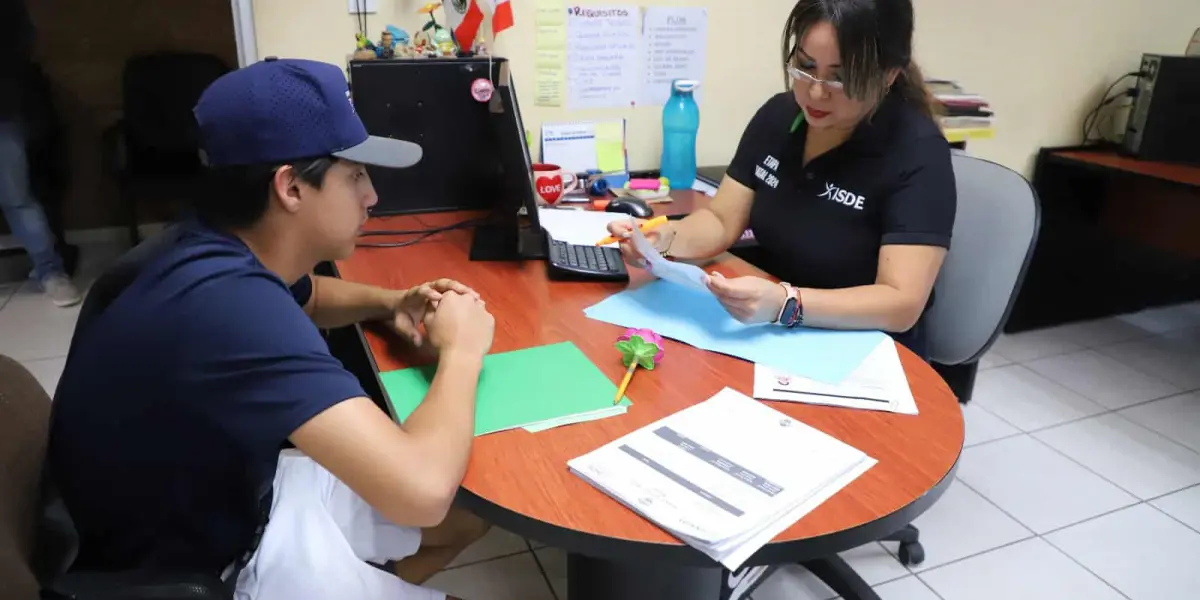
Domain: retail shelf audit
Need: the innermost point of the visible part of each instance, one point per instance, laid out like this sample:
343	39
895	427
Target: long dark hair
874	37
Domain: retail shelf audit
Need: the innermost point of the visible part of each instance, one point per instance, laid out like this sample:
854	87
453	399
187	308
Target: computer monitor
512	231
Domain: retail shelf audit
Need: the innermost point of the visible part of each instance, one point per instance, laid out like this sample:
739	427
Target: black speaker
429	101
1164	124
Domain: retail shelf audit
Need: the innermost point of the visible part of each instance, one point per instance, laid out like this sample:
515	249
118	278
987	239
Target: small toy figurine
444	42
638	347
428	10
363	48
387	45
402	41
422	46
480	47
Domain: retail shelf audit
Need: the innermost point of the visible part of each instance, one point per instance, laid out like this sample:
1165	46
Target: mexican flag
465	17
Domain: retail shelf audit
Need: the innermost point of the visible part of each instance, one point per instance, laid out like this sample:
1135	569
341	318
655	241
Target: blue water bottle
681	123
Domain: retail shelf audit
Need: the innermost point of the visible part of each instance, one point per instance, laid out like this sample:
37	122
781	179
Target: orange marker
644	227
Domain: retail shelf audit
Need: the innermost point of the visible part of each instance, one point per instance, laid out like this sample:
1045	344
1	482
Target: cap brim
383	152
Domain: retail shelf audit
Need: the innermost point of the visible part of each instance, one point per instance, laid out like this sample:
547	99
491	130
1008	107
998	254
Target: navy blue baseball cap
279	110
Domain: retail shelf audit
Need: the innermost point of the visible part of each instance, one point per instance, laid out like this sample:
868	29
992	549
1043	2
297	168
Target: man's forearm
444	423
337	303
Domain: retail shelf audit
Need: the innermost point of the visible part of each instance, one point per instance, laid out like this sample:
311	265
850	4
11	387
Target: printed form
879	383
725	476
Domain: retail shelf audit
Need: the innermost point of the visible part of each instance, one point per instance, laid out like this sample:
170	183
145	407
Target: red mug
552	183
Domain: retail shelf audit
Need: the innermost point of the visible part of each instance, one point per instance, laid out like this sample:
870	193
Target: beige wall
1042	63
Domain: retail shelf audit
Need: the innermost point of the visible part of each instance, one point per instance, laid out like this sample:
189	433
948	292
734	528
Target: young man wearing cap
170	415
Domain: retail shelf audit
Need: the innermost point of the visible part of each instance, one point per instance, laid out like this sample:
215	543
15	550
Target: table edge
1058	156
774	553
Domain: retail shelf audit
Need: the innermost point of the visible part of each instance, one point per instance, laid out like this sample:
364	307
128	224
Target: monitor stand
507	241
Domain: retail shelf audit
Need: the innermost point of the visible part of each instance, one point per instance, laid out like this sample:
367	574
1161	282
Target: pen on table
625	383
644	227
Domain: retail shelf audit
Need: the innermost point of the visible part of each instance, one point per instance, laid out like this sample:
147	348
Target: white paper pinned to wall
603	53
675	46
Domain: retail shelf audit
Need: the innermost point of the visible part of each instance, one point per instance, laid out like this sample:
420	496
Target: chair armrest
140	585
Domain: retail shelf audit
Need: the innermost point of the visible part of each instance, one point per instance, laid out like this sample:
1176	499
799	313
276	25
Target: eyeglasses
798	75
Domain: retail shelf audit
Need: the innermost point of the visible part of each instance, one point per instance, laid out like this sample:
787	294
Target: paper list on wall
674	47
603	52
550	53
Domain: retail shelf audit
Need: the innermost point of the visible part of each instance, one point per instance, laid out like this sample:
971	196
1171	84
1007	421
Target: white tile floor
1081	478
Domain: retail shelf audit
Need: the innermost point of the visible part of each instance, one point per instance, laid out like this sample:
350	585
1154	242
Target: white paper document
704	188
879	383
585	146
675	272
726	476
584	417
603	53
675	45
582	227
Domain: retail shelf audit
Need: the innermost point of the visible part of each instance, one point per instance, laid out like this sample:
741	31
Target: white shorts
318	539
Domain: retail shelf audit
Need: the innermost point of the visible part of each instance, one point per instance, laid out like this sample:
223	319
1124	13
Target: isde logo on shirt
842	196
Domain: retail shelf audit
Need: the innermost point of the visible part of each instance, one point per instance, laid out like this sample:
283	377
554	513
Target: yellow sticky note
610	146
610	156
551	12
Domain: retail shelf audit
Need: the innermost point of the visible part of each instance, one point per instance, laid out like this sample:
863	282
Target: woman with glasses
845	180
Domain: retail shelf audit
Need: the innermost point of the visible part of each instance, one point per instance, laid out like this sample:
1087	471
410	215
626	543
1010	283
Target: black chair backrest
57	542
118	277
160	90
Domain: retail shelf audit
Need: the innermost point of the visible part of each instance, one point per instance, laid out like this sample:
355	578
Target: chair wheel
911	554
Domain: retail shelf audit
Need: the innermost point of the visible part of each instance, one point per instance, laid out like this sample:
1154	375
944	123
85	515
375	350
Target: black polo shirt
821	225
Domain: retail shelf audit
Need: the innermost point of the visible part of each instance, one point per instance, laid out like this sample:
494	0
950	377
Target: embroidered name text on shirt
766	172
842	196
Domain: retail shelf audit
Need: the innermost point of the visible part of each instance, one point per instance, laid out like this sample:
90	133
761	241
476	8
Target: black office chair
995	234
118	277
153	151
37	540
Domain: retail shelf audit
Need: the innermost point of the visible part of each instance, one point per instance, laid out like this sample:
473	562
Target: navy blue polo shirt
821	225
170	415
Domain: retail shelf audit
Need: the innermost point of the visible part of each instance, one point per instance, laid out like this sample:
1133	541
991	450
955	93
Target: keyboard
579	262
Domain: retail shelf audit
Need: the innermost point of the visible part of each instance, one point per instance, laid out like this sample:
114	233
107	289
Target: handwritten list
675	47
603	52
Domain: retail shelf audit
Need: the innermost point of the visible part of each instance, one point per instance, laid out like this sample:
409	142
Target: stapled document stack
724	476
879	383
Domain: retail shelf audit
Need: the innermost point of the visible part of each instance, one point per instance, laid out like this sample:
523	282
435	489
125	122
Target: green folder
517	389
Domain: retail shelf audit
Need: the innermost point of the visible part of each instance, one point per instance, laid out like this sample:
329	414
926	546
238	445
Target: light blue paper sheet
696	318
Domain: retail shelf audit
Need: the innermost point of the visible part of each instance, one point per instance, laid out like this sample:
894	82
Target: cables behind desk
421	234
1093	118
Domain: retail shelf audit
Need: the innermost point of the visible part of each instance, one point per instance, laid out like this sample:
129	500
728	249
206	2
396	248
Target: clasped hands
424	305
748	299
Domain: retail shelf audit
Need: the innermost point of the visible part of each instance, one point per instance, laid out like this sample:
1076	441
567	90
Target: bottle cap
685	85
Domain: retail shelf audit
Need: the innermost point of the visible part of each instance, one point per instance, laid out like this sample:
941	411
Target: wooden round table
519	481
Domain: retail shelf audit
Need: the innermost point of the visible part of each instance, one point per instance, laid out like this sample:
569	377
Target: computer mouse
630	206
